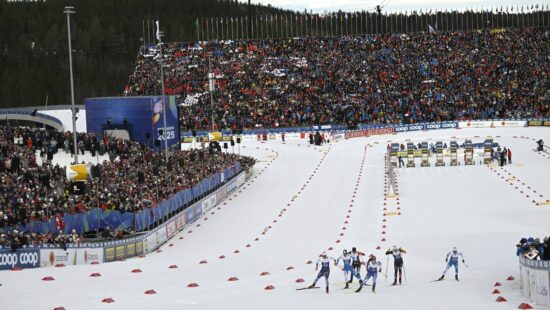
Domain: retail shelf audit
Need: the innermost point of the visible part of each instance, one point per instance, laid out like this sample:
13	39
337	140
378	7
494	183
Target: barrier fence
535	280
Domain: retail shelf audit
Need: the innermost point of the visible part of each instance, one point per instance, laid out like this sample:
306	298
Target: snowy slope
301	198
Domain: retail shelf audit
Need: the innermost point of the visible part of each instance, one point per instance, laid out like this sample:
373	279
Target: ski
437	280
307	288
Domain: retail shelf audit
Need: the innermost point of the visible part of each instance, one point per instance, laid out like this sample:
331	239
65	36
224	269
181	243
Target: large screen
142	117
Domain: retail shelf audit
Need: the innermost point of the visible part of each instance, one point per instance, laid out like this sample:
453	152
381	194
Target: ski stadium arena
266	207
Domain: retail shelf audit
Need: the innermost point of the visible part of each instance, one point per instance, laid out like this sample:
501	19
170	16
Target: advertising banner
130	250
171	228
89	256
506	123
52	257
539	286
74	256
535	123
180	221
109	255
120	252
369	132
22	258
139	247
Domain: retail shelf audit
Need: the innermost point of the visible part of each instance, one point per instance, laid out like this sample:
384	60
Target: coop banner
22	258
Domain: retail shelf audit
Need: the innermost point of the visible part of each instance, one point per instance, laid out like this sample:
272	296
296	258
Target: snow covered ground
304	200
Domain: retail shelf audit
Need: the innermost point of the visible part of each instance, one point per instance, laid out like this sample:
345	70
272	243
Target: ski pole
387	265
465	265
404	273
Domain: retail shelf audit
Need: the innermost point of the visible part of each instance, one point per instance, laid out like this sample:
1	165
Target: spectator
349	80
33	192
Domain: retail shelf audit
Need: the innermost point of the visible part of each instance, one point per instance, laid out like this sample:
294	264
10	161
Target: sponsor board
338	137
180	221
52	257
22	258
109	255
171	228
89	256
120	252
535	123
535	280
369	132
505	123
130	250
210	202
475	124
492	124
74	256
139	247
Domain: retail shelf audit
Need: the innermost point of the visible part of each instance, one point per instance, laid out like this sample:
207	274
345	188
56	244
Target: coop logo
14	259
449	125
416	127
400	129
433	126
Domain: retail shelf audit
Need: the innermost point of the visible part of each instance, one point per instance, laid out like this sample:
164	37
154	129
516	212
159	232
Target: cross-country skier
349	271
397	254
452	260
373	268
324	261
356	262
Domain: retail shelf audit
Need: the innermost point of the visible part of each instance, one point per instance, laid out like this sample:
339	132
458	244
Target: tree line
106	36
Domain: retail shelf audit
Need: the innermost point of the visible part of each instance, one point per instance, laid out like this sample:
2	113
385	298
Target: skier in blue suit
452	261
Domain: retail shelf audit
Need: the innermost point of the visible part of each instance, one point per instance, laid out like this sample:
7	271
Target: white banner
171	228
535	281
538	284
492	124
77	256
509	123
475	124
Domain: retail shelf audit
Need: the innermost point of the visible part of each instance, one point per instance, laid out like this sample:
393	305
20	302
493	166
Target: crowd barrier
100	252
98	218
535	280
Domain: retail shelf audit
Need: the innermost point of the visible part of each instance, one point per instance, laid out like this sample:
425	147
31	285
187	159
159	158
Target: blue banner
22	258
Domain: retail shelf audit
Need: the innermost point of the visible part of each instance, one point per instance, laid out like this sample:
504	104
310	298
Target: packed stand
134	178
406	78
533	248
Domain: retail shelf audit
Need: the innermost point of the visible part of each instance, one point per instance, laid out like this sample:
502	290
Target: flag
431	29
158	30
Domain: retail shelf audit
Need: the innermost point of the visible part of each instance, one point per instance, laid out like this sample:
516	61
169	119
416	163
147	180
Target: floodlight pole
70	10
165	133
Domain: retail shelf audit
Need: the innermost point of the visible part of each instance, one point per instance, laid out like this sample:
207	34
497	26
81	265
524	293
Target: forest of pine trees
106	37
107	34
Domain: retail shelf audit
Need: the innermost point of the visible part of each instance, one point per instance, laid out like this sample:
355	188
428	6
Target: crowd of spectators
533	248
134	178
405	78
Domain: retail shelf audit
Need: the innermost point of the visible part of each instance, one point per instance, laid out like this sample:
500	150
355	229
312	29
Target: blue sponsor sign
22	258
